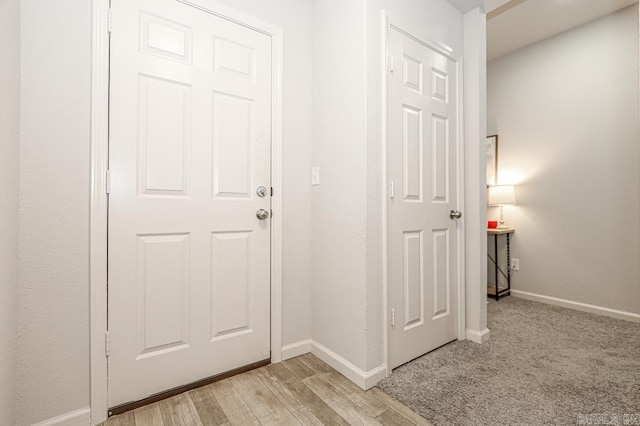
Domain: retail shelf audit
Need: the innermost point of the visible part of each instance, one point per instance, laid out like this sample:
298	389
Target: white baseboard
578	306
81	417
478	336
364	379
296	349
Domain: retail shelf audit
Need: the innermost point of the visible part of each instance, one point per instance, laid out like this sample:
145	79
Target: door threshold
123	408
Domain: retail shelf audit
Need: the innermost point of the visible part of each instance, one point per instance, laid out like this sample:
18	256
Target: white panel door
190	141
423	139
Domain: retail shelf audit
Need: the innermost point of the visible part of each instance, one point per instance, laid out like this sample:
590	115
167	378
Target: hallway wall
53	340
9	175
566	112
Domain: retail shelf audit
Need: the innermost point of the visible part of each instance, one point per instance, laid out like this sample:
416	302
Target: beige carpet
543	365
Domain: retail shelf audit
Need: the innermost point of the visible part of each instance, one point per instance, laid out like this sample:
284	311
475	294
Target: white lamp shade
502	195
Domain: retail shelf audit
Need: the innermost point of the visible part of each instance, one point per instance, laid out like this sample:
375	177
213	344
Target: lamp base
501	224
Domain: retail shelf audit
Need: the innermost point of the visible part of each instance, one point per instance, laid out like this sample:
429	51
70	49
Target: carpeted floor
543	365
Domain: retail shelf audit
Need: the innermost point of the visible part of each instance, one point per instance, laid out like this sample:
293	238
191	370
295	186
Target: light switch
315	175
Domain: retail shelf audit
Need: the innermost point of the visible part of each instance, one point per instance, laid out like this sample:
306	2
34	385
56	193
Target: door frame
98	236
390	22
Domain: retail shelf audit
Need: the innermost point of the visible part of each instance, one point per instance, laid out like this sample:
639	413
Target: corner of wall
9	208
366	379
81	417
339	202
475	117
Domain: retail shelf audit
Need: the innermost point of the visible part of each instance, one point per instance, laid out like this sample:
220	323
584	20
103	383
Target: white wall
339	203
53	342
9	173
475	132
566	112
53	346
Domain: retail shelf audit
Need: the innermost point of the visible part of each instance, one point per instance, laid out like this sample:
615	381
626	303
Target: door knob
262	214
455	214
261	191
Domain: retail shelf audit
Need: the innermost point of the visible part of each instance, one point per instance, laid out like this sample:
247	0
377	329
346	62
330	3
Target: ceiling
520	23
466	5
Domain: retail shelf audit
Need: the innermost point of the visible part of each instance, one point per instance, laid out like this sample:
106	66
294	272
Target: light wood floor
299	391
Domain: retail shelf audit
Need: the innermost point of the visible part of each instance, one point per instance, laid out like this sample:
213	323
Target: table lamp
502	195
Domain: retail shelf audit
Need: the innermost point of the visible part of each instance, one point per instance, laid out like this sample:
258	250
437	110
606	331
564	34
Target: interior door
190	142
423	141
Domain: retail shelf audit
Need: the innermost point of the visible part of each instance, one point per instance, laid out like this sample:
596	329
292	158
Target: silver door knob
455	214
262	214
261	191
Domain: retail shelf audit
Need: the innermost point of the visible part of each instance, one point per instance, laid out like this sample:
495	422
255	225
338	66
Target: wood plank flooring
299	391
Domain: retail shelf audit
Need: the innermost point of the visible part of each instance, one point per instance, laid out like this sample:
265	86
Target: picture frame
492	160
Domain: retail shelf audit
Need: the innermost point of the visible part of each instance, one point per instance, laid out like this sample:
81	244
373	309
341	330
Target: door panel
190	141
441	283
412	125
164	123
230	284
413	291
423	140
232	146
162	294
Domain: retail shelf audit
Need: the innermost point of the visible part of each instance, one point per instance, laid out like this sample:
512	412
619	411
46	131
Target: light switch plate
315	175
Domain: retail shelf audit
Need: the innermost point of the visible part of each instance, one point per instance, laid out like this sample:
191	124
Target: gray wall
566	112
9	171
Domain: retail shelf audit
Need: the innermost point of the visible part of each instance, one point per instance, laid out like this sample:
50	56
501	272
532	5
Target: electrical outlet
515	264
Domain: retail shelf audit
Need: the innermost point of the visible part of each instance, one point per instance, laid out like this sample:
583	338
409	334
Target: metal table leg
495	257
508	265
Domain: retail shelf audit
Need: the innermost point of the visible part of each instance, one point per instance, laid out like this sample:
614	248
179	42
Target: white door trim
98	208
389	22
99	205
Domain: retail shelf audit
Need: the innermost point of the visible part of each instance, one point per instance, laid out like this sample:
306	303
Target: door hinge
109	20
391	194
391	63
108	181
393	317
272	191
106	344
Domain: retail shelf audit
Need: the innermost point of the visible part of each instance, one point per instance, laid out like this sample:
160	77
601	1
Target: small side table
495	291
